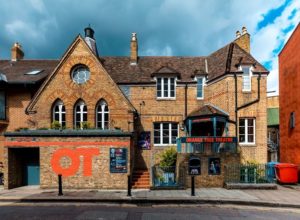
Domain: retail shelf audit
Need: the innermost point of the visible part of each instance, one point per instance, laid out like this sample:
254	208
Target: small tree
168	157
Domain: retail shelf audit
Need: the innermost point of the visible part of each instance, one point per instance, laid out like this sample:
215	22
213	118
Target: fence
248	173
168	176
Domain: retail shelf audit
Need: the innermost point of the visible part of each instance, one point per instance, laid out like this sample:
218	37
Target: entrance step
141	179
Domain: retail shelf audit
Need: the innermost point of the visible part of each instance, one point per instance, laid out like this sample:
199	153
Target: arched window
80	113
59	113
102	113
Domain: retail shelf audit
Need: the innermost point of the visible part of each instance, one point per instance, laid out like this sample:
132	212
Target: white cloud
269	38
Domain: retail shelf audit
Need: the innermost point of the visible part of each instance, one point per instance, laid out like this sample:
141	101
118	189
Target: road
65	211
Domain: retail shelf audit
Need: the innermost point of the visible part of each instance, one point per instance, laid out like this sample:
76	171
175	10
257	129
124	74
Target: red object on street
286	173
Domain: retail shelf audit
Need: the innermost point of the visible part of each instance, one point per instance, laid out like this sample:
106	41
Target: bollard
128	186
60	192
193	186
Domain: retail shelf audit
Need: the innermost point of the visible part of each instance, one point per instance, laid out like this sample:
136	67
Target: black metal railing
248	173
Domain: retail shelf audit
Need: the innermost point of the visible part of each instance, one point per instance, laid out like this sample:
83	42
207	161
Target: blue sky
45	29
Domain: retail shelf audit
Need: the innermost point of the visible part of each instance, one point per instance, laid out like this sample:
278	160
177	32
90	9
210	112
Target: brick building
289	73
96	119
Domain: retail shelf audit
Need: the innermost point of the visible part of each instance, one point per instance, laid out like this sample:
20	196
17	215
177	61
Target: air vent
34	72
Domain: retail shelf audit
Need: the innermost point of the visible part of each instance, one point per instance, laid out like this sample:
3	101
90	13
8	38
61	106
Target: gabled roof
223	61
208	110
61	62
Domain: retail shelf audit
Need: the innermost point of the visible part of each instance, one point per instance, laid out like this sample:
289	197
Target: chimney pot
244	30
17	52
90	40
243	40
237	34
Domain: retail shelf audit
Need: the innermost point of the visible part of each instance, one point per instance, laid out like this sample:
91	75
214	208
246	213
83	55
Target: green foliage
22	129
55	125
43	128
85	125
168	157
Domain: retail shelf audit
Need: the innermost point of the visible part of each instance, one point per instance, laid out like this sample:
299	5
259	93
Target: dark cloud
164	27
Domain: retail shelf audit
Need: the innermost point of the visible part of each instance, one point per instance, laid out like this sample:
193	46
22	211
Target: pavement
283	196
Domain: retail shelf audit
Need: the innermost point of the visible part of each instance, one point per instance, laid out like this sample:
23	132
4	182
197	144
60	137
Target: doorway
24	166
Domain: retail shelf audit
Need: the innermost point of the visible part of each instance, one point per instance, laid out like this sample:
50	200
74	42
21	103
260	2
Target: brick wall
220	94
101	177
205	179
289	80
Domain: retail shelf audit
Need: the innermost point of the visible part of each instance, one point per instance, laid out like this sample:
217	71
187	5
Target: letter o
75	162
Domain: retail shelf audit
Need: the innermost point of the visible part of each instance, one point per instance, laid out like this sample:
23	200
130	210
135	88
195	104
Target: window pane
158	87
166	140
250	122
77	117
242	138
84	116
166	87
246	78
250	138
200	88
172	87
84	108
157	126
242	130
156	140
250	130
56	117
174	126
242	122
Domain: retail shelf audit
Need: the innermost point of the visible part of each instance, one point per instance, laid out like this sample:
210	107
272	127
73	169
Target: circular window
81	74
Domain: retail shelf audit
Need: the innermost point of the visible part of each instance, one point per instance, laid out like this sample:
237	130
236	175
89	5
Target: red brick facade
289	81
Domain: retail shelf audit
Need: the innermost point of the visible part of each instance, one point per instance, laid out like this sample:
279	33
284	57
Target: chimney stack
133	49
90	40
243	40
17	52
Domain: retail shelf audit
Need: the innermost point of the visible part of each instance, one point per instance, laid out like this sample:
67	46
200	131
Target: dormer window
166	87
246	78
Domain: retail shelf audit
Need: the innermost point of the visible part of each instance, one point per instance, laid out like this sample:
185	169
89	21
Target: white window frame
102	111
246	132
203	84
81	104
60	112
250	78
161	133
169	87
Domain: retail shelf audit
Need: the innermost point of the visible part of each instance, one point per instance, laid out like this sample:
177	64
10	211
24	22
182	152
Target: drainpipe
246	104
185	100
236	103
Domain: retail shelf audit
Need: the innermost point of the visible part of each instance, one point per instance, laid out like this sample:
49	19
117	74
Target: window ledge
165	99
246	91
247	144
200	98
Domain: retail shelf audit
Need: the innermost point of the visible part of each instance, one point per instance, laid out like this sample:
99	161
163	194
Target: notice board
118	160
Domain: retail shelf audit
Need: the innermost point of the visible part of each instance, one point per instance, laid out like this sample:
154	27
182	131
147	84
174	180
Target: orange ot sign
74	156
